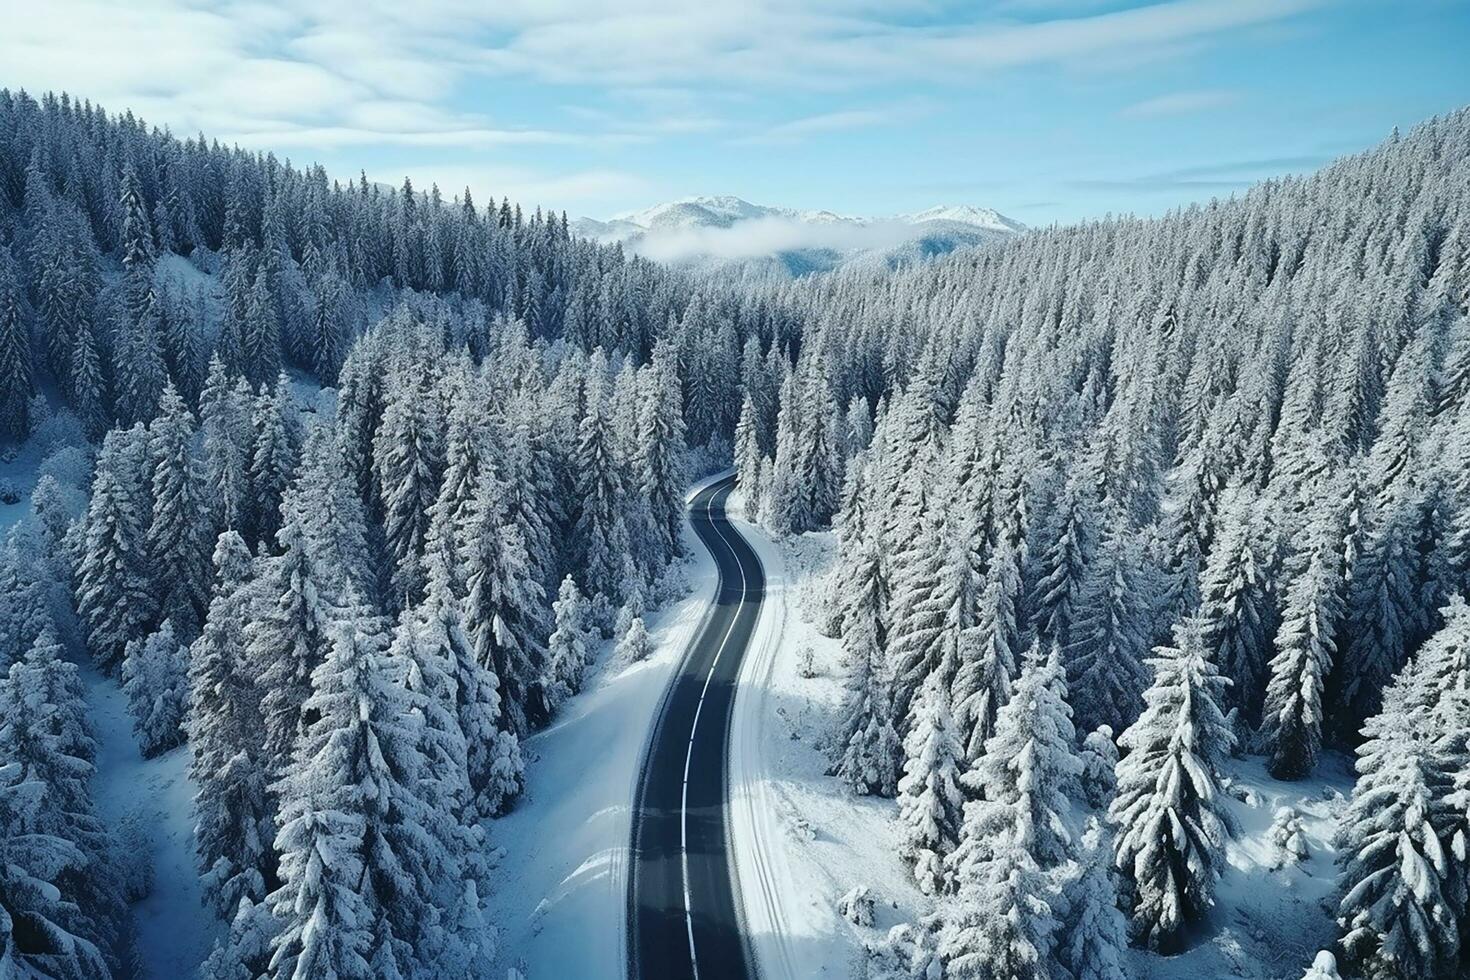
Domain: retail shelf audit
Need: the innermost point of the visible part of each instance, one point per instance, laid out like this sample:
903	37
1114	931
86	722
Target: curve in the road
683	911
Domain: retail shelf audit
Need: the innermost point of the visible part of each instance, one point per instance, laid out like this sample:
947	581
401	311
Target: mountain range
728	233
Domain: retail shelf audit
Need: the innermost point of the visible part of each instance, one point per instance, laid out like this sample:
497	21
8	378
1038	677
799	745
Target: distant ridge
721	231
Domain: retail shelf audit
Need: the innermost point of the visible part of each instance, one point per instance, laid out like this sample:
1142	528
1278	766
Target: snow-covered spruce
1169	815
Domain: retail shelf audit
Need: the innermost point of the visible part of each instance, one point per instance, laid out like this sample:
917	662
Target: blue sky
1047	110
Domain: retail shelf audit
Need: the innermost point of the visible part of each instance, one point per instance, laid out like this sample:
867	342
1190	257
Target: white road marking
694	727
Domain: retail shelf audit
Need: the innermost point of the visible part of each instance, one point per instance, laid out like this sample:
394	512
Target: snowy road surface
683	915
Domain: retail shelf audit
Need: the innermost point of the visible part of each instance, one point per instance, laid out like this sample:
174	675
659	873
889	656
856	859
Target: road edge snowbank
761	885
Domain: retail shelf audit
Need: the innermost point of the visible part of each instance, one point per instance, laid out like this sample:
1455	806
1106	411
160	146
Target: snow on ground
559	892
17	479
149	802
1269	920
802	840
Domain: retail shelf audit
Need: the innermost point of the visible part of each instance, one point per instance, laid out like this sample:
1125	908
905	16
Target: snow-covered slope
724	232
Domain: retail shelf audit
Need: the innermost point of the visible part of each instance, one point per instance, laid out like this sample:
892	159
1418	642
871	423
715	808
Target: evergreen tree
660	454
601	528
504	605
870	750
17	368
1233	604
1401	887
1109	636
1094	935
287	634
47	745
1380	603
273	457
572	645
987	664
1305	643
1324	967
156	681
1028	766
225	418
36	921
493	755
636	645
1170	818
408	458
111	579
929	799
232	816
1099	757
341	842
748	459
176	537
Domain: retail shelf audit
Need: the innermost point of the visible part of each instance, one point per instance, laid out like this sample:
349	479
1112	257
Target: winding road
683	912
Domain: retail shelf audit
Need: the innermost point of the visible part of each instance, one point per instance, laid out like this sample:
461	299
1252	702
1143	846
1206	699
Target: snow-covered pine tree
602	536
17	367
46	741
1023	778
1402	888
1324	967
1305	645
466	460
177	550
868	743
1233	602
504	605
36	921
493	754
748	459
232	816
331	514
408	457
1109	635
273	456
155	678
636	645
819	460
287	634
572	644
1002	922
930	607
225	421
1099	757
139	373
987	662
340	843
661	452
929	799
1170	816
1064	560
260	340
112	578
451	937
781	502
1380	613
1092	944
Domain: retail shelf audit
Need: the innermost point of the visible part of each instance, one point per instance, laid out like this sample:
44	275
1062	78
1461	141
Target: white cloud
1178	104
316	77
759	237
827	122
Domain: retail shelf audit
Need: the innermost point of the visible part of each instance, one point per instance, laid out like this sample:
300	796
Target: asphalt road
683	918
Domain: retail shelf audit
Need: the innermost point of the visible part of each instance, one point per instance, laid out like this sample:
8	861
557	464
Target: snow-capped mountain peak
722	230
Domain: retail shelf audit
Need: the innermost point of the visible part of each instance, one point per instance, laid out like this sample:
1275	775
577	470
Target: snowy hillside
731	234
